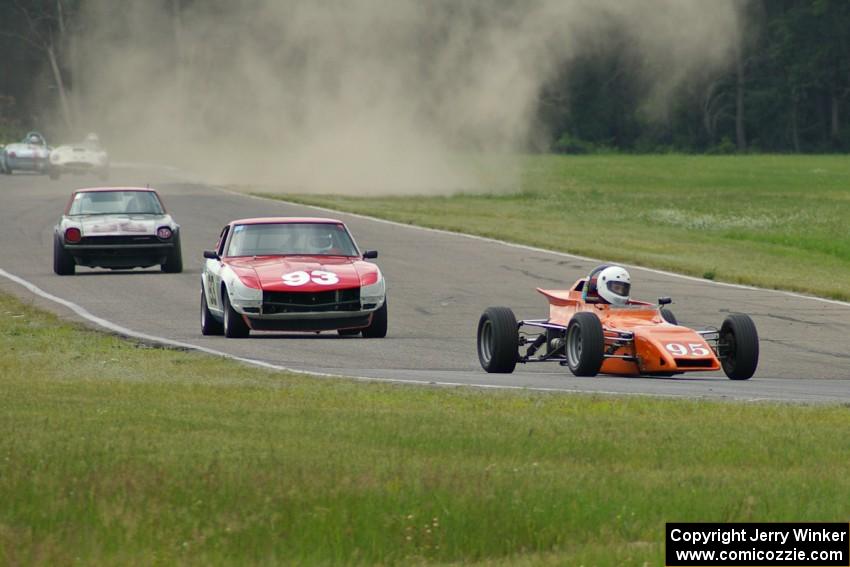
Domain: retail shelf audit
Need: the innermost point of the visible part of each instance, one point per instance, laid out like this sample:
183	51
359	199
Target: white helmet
321	242
613	285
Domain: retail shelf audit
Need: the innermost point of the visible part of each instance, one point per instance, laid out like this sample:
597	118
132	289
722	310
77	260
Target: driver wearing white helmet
608	284
321	242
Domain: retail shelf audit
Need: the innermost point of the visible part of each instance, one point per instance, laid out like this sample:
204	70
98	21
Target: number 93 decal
693	349
320	277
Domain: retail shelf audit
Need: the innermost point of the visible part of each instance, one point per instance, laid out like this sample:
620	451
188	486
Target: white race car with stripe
31	154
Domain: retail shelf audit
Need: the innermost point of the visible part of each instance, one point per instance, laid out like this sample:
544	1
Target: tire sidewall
209	324
63	263
498	328
586	328
377	329
742	362
174	262
232	328
669	317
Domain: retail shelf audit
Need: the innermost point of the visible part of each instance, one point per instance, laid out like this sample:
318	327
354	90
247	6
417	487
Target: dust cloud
361	96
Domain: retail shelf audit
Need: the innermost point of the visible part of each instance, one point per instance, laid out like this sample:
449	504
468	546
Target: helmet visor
619	288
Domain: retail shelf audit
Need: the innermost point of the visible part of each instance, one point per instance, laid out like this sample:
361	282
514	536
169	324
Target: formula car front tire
741	346
234	325
63	263
377	329
498	340
209	324
668	316
585	344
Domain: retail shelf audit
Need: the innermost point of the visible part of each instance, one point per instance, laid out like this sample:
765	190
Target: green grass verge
116	453
775	221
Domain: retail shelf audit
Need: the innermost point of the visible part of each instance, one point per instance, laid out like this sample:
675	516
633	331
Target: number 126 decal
694	349
320	277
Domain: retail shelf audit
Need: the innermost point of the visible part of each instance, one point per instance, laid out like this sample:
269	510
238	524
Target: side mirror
664	301
211	254
370	254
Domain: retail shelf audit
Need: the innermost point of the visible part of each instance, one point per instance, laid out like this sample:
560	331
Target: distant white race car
85	157
31	154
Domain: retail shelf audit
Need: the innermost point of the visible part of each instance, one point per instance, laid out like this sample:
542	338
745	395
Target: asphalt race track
438	285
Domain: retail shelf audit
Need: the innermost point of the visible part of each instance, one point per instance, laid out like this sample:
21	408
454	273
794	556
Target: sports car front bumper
120	255
311	322
322	311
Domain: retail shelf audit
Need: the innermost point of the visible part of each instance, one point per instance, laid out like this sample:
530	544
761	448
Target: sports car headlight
374	293
241	294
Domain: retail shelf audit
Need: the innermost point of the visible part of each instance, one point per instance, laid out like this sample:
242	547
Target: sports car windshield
116	203
295	239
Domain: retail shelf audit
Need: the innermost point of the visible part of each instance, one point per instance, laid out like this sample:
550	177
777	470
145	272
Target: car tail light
73	235
163	233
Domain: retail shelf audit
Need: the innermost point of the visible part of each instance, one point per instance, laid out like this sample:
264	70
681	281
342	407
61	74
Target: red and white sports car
291	274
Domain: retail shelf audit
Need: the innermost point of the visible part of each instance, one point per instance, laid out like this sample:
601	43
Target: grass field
775	221
116	453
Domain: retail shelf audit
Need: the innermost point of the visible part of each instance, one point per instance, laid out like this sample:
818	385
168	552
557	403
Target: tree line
787	88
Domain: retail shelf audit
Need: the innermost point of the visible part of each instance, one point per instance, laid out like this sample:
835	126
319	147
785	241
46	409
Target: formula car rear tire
741	347
63	263
377	329
209	324
498	340
668	316
234	325
174	262
585	344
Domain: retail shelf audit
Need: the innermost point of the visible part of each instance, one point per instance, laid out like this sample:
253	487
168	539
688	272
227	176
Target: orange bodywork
657	347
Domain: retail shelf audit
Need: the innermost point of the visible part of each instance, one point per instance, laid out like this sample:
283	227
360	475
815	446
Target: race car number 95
694	349
316	276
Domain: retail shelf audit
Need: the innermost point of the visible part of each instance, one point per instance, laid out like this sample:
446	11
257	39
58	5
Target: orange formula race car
636	338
